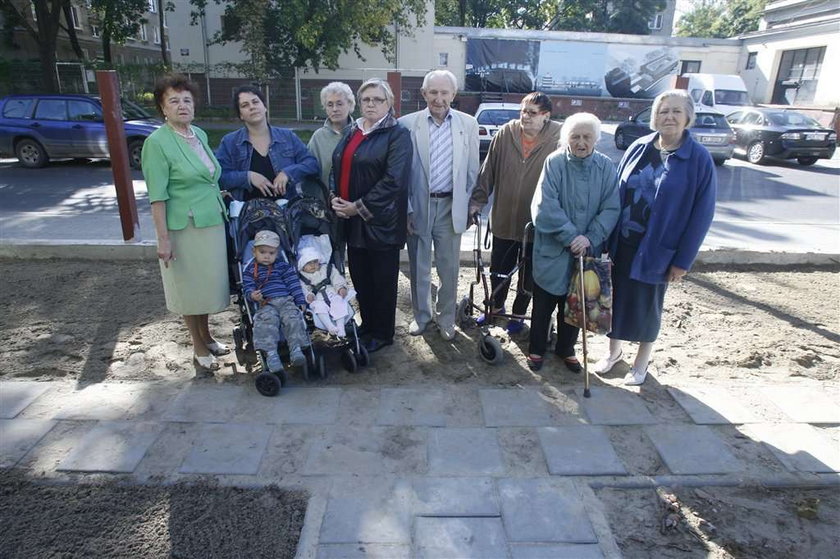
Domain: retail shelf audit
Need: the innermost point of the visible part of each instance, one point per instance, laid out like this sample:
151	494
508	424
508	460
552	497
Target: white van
722	92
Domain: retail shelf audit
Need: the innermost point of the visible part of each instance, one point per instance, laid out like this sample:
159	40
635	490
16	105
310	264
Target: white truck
724	93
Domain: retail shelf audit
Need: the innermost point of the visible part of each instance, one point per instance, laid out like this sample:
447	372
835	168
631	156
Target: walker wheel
362	356
305	368
348	359
268	384
322	367
239	346
463	313
490	349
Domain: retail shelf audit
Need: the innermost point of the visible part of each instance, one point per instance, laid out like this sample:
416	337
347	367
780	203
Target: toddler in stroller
273	284
325	288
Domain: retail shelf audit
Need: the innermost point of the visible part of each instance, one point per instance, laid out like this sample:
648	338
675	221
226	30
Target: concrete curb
39	249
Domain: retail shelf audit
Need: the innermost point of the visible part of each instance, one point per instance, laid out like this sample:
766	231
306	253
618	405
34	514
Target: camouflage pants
280	312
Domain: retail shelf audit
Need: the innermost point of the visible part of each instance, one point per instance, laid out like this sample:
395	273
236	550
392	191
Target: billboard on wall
569	68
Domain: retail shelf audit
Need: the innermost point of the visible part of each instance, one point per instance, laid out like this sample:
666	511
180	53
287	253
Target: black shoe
375	344
572	364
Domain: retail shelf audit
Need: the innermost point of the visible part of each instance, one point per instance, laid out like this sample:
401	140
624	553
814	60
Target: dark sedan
710	129
783	134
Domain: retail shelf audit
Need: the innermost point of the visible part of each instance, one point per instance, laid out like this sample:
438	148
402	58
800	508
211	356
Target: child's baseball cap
267	238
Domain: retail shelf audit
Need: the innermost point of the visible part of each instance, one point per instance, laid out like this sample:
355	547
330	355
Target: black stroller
489	348
304	214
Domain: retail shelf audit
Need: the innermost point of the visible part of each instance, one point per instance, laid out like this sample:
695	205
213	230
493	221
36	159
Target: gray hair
440	74
579	119
338	88
378	82
682	95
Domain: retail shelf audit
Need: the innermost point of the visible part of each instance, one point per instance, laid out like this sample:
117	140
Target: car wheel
807	160
620	142
135	152
31	154
755	152
719	161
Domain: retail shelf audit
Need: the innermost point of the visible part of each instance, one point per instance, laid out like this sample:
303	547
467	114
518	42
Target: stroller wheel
490	349
306	367
348	359
463	313
268	384
322	367
363	357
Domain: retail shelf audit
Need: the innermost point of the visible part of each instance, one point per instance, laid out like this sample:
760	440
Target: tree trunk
48	14
106	46
163	52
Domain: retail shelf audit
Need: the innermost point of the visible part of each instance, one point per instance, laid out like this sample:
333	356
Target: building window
94	31
74	15
165	21
443	59
156	33
153	6
689	67
656	21
799	72
751	60
143	34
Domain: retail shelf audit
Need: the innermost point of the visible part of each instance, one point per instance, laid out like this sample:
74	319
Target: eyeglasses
372	100
529	112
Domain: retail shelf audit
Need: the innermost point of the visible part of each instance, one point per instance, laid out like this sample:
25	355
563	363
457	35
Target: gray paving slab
359	406
806	404
367	511
18	436
112	446
16	396
104	401
471	452
544	510
368	451
455	496
692	449
712	405
364	551
430	407
615	406
205	403
528	407
306	406
799	447
579	450
448	538
555	551
227	449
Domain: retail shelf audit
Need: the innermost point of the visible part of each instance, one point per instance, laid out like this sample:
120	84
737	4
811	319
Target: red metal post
395	81
109	92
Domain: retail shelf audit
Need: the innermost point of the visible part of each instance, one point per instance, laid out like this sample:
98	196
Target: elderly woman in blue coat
574	210
667	187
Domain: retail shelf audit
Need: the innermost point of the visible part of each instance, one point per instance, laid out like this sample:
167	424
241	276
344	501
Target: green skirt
196	282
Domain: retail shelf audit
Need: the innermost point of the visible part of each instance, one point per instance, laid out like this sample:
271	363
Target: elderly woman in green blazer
182	177
574	209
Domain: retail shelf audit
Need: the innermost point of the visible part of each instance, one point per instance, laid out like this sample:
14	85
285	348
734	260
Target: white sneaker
416	329
607	363
634	377
447	333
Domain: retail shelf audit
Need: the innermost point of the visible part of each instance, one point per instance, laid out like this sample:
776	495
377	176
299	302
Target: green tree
119	20
43	28
632	16
281	34
719	19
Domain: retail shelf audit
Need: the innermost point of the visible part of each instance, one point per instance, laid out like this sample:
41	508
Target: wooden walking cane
586	392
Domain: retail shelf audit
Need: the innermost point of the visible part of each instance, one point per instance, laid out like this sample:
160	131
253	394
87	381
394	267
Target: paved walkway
429	471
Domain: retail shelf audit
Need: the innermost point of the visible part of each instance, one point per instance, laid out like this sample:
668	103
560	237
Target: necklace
189	136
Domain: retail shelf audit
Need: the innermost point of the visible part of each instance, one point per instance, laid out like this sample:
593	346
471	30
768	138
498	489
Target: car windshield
790	118
731	97
709	120
497	117
133	111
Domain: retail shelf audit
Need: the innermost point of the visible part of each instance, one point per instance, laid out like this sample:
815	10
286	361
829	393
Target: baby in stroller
325	288
273	284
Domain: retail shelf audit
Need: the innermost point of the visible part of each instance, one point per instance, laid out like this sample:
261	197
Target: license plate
712	140
813	137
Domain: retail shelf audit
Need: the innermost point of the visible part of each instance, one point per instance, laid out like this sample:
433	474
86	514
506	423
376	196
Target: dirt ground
106	321
200	521
94	321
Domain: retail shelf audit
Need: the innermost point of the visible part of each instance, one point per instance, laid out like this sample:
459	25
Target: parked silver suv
491	117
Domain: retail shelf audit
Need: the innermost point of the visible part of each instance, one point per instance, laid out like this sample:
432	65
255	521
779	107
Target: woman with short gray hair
338	103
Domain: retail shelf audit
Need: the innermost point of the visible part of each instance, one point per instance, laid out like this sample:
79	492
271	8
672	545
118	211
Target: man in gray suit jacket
444	170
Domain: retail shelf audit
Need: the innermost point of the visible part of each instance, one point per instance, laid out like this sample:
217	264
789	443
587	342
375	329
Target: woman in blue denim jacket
260	160
667	188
